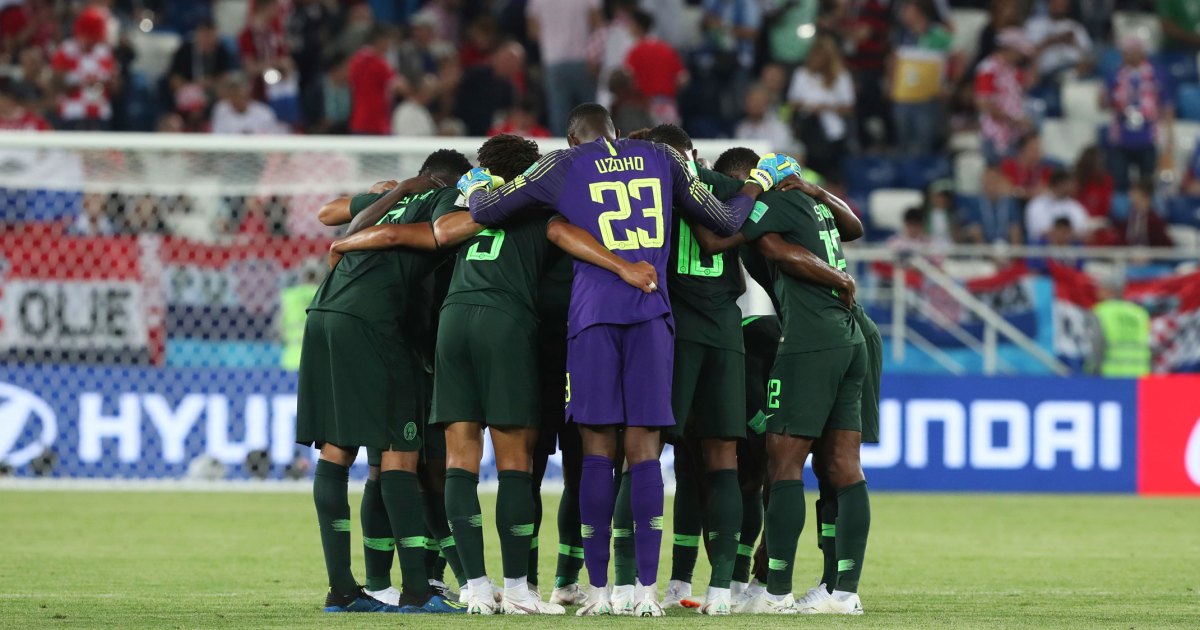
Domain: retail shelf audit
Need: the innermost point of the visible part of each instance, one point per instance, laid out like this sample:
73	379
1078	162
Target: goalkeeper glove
771	169
478	178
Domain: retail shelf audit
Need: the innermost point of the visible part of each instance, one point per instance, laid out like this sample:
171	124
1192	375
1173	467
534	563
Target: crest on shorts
410	431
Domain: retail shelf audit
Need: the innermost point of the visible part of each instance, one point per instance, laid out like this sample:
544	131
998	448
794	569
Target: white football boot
623	599
389	595
481	600
843	603
747	594
527	602
717	602
814	601
569	595
765	605
648	606
677	590
599	603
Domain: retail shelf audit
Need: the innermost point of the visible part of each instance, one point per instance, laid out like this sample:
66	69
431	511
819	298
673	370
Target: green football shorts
812	392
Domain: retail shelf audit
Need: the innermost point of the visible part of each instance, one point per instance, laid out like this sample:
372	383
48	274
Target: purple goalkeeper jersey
622	192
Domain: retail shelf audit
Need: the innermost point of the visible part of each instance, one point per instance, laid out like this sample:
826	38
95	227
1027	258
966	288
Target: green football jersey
813	316
704	289
378	286
500	267
554	294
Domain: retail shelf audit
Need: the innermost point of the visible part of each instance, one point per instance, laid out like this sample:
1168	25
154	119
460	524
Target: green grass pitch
252	560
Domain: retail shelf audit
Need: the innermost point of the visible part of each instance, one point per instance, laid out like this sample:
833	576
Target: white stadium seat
1144	26
1064	139
229	16
154	51
888	205
1185	236
1081	101
968	24
968	269
1186	134
965	141
968	172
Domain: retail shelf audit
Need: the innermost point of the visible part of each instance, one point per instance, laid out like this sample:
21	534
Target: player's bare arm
337	212
411	235
452	229
374	212
849	226
578	243
801	264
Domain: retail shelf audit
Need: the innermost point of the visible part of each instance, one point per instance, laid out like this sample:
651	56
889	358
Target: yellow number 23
635	189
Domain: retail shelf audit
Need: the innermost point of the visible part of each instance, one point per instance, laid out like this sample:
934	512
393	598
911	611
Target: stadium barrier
1019	434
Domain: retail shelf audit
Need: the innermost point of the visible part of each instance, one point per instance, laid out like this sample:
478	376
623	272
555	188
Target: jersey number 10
624	191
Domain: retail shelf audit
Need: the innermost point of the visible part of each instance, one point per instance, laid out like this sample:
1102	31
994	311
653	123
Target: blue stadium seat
1110	60
1184	211
918	172
865	174
1180	66
1188	102
1120	206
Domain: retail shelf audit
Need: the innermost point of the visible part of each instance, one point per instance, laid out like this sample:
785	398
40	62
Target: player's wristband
762	178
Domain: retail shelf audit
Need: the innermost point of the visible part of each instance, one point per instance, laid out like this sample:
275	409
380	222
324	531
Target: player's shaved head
673	136
736	162
445	164
589	121
507	155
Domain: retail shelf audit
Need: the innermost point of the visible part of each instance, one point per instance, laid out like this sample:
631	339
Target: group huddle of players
537	275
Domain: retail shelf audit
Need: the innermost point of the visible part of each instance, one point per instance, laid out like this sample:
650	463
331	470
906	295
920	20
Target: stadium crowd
875	94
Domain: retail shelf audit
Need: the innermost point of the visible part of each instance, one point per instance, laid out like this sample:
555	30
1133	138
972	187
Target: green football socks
441	543
624	549
687	526
379	547
402	491
570	546
853	525
752	518
466	520
333	516
535	493
514	521
785	521
827	509
723	517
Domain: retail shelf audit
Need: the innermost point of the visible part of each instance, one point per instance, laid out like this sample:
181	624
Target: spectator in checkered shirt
86	74
1000	84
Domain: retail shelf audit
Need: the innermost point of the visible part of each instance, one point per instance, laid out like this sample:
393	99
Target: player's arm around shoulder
576	242
492	200
800	263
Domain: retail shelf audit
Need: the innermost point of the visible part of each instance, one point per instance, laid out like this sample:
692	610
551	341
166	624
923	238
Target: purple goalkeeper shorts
621	374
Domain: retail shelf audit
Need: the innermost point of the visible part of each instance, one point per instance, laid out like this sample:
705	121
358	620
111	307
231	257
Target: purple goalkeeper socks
647	496
595	515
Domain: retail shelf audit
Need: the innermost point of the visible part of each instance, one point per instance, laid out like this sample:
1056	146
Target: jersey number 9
642	189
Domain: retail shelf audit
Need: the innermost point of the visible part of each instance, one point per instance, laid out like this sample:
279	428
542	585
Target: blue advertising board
1028	434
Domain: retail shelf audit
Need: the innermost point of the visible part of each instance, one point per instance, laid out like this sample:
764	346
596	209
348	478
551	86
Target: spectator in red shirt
1093	184
520	121
373	84
13	114
1000	85
1144	227
263	46
1026	171
657	69
86	72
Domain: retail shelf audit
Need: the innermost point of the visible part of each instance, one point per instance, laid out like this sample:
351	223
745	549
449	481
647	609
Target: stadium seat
230	16
1180	66
1120	206
1186	134
1144	26
968	24
153	52
1185	236
1063	139
1109	60
865	174
1184	211
965	141
1081	101
968	172
887	206
1188	102
919	171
